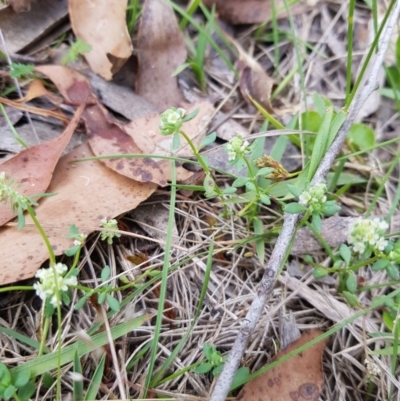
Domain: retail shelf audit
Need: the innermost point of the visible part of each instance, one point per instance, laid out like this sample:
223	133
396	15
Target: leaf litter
233	280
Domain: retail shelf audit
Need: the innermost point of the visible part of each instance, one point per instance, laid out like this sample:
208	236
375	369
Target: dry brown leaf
254	81
33	168
300	378
253	11
85	193
161	50
107	137
102	24
20	6
20	30
36	89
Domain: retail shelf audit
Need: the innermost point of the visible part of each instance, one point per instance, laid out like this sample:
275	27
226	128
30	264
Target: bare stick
265	288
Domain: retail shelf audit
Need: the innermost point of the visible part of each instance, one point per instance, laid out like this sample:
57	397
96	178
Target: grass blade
96	380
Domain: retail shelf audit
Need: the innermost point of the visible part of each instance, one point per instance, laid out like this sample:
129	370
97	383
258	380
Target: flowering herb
367	235
237	147
111	224
171	121
49	280
313	201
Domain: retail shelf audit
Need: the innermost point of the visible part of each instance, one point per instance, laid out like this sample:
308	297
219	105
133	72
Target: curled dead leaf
32	169
299	378
161	50
103	26
85	193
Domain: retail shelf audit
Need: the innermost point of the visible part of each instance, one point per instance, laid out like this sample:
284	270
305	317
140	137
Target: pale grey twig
266	286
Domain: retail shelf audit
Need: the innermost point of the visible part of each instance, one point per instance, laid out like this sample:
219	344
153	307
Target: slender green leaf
22	338
321	143
78	384
46	363
96	381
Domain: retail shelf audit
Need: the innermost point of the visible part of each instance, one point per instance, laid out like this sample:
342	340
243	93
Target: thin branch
266	286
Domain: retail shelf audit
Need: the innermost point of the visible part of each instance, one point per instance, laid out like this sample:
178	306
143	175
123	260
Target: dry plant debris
122	116
299	378
161	50
102	25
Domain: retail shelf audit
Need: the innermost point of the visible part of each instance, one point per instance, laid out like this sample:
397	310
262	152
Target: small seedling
215	363
18	70
78	48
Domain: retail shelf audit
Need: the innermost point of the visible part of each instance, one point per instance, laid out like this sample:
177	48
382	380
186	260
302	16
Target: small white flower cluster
367	232
236	147
314	197
80	240
111	224
47	288
373	370
171	121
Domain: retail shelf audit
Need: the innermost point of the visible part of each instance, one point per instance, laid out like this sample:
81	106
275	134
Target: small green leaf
217	370
294	208
330	208
209	139
208	350
240	182
362	136
351	299
351	282
380	264
9	392
105	273
240	376
81	302
316	221
26	392
264	171
48	380
345	253
209	186
265	199
294	190
102	297
203	368
319	104
250	186
113	303
320	273
191	116
72	251
229	190
388	320
393	271
21	379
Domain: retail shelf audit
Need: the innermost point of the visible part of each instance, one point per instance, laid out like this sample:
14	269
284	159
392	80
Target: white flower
373	369
111	224
171	121
314	197
50	279
237	147
368	232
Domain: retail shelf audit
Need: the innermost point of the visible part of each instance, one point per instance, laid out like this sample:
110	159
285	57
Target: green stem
321	240
32	213
45	330
164	278
252	176
350	47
